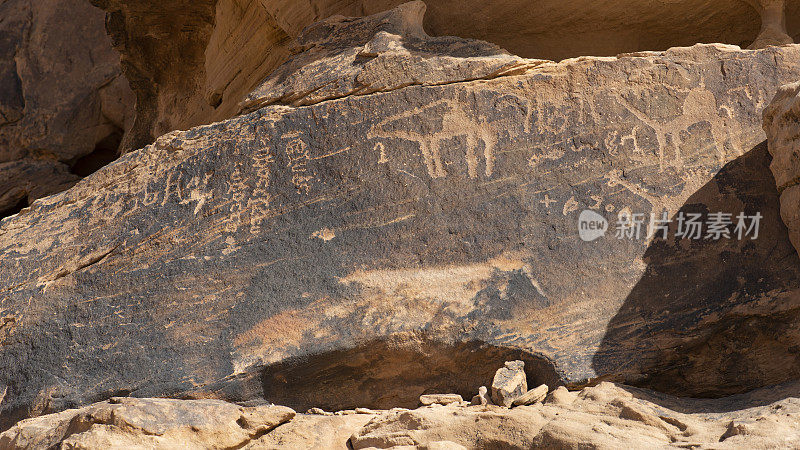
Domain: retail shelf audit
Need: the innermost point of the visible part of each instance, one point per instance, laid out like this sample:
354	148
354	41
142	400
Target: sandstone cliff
192	62
64	104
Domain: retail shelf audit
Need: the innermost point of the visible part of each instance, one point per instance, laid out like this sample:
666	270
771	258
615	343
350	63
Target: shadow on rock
713	318
384	374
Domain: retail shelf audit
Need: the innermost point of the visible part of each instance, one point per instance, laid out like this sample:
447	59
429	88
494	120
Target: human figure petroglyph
456	121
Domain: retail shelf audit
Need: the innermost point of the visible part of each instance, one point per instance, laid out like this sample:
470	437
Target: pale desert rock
454	210
470	427
482	398
781	122
312	433
561	396
387	51
440	399
509	384
535	395
605	416
128	423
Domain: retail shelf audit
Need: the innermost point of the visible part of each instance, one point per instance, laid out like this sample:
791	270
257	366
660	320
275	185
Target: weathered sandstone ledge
193	62
602	417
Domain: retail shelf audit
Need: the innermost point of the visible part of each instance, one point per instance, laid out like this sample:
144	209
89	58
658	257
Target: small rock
533	396
319	412
346	412
365	411
509	383
735	429
561	396
439	399
482	399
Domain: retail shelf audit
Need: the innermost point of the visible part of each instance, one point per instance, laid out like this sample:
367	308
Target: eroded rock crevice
384	374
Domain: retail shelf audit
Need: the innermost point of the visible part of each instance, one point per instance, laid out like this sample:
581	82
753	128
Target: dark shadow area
21	204
383	375
105	152
753	399
713	318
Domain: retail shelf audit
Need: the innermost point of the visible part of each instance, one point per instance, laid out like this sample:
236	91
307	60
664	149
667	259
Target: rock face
361	250
782	124
193	62
64	105
606	416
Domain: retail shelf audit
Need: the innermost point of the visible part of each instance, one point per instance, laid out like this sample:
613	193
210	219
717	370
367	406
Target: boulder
781	120
603	416
64	104
509	384
364	250
482	398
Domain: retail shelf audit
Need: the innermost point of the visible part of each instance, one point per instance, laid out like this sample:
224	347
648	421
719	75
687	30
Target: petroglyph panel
292	231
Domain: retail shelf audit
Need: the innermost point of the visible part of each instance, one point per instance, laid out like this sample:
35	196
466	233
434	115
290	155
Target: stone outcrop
64	105
362	250
148	423
605	416
773	23
782	124
193	62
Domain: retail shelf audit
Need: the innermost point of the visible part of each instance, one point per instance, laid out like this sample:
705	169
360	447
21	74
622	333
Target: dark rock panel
448	212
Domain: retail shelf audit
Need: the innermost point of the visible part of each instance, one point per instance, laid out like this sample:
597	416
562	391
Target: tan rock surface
193	62
782	124
606	416
128	423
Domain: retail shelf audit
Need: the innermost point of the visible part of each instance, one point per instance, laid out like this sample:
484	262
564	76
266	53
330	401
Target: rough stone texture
602	417
127	423
193	62
782	124
482	397
357	251
533	396
441	399
62	97
509	383
380	53
773	23
607	416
